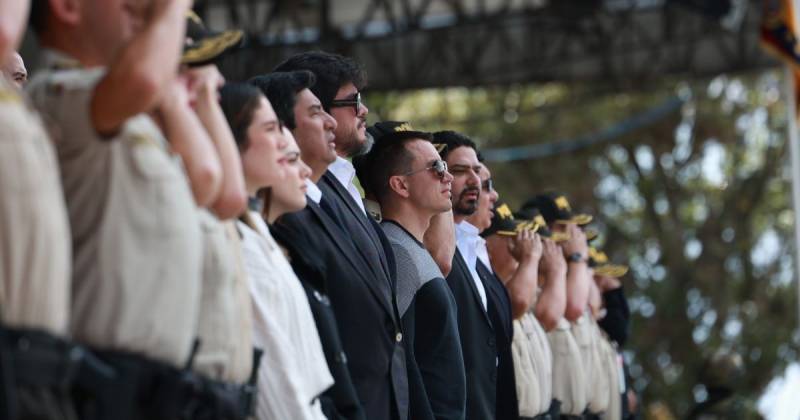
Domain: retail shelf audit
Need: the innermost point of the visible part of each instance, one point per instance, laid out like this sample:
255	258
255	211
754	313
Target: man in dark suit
498	302
300	110
356	255
478	342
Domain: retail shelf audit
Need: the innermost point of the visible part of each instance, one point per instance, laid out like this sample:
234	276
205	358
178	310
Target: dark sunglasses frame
355	102
487	185
439	167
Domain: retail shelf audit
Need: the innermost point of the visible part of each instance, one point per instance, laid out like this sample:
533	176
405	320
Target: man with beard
478	342
498	302
367	312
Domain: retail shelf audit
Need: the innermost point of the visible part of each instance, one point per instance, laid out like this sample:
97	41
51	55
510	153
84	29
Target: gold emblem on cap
209	48
505	212
611	270
562	203
599	257
404	127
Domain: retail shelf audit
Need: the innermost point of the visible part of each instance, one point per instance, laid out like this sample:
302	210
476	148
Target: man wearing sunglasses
363	301
409	180
498	301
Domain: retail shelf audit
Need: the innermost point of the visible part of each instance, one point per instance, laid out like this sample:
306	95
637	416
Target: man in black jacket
356	254
301	111
478	341
409	180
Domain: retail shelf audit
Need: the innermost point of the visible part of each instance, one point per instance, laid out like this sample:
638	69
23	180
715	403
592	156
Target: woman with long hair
293	371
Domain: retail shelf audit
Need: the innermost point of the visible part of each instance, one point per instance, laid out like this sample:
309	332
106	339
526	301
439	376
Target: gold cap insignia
562	203
504	212
599	257
403	127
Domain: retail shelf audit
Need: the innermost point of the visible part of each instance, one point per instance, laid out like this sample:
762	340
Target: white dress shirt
483	253
293	370
344	171
313	192
467	242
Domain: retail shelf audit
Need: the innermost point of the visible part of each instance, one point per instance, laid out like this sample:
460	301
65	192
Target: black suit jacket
362	301
499	309
478	342
340	401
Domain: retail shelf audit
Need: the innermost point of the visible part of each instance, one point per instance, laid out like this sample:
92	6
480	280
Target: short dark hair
239	102
37	19
450	140
281	89
385	160
332	71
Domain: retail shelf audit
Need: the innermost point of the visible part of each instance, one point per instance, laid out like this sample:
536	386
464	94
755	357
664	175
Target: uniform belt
40	359
139	388
153	390
543	416
223	400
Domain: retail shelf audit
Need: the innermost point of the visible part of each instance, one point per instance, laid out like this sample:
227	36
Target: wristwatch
575	257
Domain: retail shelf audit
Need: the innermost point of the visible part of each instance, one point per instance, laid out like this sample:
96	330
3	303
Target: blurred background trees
698	203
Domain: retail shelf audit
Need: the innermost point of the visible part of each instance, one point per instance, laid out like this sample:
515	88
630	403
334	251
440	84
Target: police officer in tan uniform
34	254
533	358
109	71
571	339
225	355
612	364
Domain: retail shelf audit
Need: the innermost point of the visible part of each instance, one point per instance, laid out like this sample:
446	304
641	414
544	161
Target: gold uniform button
399	337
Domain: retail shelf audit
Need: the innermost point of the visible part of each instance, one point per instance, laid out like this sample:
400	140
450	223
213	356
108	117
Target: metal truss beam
409	44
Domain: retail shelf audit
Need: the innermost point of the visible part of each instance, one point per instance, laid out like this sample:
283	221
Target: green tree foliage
698	204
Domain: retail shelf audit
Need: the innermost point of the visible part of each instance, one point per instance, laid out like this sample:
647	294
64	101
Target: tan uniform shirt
225	324
34	232
135	233
599	384
613	370
533	366
569	379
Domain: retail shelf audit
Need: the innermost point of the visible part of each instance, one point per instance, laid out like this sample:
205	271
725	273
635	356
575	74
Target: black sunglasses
439	167
488	185
355	102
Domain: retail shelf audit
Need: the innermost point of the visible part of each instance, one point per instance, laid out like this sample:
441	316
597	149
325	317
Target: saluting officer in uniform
135	233
34	253
570	340
225	355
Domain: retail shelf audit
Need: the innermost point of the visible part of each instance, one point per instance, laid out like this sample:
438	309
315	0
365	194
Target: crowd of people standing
176	245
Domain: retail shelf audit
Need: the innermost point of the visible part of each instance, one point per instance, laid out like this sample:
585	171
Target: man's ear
398	184
67	11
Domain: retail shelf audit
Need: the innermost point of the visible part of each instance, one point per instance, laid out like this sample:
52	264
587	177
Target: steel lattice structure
408	44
